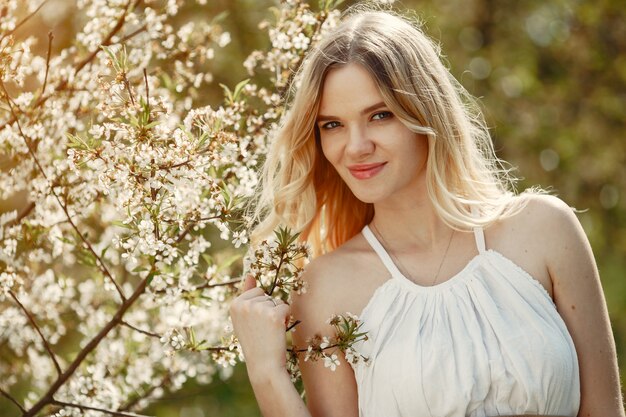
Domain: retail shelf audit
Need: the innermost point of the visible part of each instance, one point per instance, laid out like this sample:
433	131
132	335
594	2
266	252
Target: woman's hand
259	322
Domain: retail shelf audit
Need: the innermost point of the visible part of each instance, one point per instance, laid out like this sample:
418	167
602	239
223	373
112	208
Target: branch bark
38	330
129	405
103	410
146	332
13	400
26	19
63	84
48	397
100	262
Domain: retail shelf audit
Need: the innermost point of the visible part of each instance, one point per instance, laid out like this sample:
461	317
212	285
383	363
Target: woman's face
376	155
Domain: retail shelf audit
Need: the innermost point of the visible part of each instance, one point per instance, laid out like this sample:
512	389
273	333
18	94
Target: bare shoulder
542	219
545	208
336	283
540	235
564	240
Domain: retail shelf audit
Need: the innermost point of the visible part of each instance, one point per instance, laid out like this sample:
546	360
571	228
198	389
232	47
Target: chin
368	196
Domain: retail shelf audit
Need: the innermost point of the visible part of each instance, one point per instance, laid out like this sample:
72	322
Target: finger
283	311
252	293
248	283
258	298
263	298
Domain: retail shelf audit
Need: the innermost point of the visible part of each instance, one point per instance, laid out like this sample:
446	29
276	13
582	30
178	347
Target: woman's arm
260	327
329	393
580	301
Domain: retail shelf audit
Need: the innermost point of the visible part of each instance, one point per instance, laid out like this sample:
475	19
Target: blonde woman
477	302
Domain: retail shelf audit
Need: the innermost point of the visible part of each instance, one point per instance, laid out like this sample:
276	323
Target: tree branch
191	225
45	80
208	285
80	65
13	400
48	397
26	19
166	379
127	324
38	330
25	212
100	262
133	34
102	410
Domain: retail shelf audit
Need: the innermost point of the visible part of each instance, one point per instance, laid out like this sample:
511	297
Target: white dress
487	342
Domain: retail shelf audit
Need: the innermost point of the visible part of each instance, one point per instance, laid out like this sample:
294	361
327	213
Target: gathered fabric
486	342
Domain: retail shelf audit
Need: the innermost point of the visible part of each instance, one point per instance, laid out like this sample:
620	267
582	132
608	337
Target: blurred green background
551	77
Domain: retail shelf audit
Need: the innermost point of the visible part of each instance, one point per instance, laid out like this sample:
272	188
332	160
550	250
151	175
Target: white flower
239	238
224	39
331	361
309	352
325	343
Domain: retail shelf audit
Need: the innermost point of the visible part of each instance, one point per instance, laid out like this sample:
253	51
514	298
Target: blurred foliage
551	77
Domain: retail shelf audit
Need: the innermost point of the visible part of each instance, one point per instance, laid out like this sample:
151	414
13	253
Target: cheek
329	150
421	146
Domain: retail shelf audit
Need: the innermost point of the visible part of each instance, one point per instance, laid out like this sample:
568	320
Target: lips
366	171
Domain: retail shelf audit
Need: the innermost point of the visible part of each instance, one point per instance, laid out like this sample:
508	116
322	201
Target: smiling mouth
364	172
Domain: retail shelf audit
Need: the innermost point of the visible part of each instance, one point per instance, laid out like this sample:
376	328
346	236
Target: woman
476	302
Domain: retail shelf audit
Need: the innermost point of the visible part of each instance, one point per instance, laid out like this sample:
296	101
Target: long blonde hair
302	190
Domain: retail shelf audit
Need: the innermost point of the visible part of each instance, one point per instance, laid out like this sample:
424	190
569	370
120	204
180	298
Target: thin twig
219	284
26	19
25	212
282	92
295	323
130	90
80	65
275	281
48	397
107	41
127	324
208	285
102	410
217	349
166	167
133	34
45	80
166	380
190	226
145	77
38	330
13	400
100	262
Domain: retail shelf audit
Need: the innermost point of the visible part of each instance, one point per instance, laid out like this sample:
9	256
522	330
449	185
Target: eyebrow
322	118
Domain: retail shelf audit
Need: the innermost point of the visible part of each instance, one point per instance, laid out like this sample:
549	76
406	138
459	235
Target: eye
330	125
382	115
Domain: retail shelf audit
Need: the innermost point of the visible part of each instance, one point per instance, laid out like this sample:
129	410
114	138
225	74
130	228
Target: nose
360	144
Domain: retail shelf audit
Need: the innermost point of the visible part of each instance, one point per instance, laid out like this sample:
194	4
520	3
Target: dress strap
479	233
381	252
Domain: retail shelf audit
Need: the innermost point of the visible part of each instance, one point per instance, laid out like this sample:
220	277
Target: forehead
348	88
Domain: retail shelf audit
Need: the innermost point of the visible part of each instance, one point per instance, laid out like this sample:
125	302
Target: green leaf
219	17
228	93
167	82
150	277
85	257
239	88
77	142
119	223
229	261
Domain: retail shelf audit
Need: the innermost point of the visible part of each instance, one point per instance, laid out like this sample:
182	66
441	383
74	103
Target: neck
411	224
